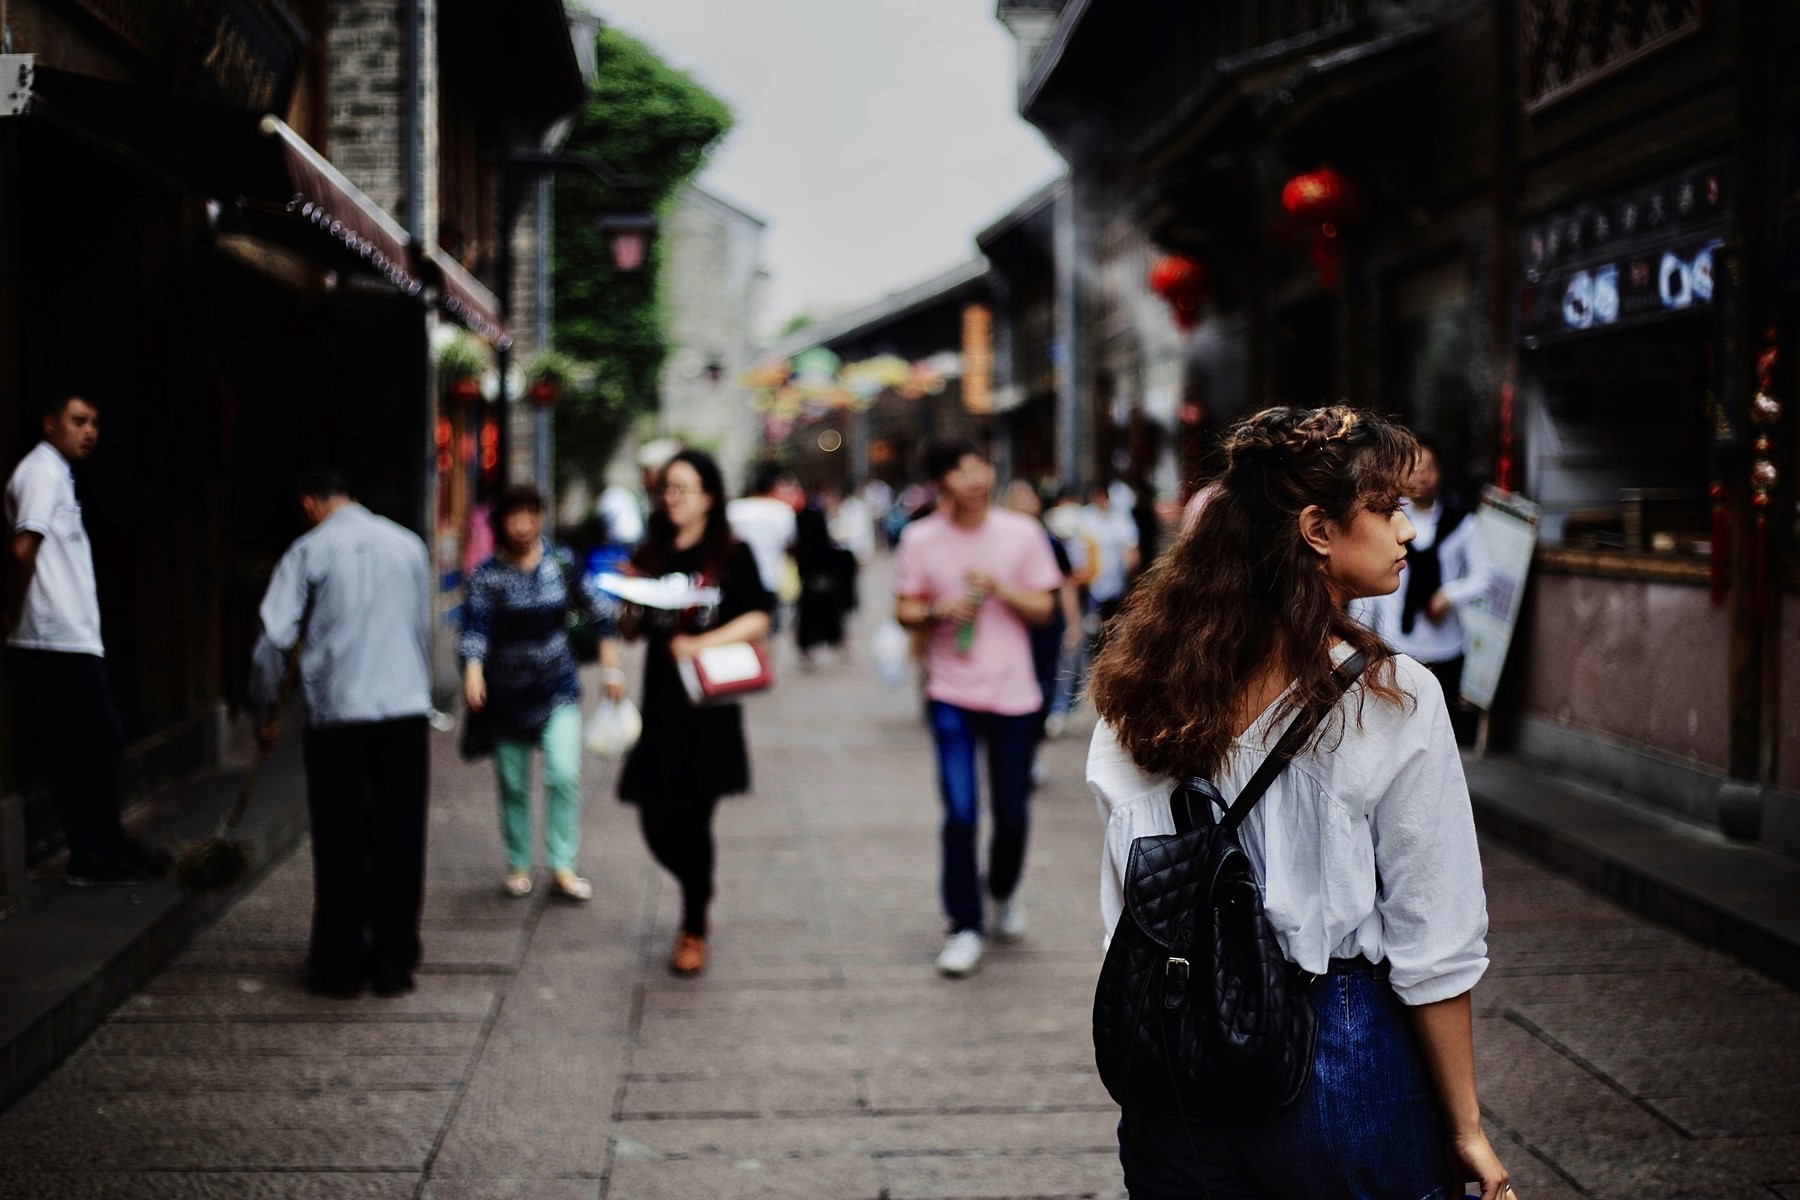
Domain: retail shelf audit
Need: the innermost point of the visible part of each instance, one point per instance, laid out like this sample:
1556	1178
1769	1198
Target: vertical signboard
978	359
1508	526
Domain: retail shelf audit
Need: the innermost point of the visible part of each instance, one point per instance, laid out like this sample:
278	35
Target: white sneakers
961	953
1009	919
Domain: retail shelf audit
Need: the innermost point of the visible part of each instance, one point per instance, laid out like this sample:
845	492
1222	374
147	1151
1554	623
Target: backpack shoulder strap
1298	732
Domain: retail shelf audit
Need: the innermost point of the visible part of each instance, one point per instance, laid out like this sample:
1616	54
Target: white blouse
1364	845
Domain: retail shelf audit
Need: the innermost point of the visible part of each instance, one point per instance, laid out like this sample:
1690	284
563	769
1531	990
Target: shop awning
258	168
465	298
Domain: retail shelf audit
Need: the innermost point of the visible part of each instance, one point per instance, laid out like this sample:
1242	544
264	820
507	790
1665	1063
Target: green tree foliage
646	119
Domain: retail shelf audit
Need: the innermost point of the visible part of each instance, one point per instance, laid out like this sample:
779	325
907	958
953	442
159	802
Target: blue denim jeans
1366	1128
1011	743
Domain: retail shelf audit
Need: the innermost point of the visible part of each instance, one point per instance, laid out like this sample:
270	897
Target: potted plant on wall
460	363
547	375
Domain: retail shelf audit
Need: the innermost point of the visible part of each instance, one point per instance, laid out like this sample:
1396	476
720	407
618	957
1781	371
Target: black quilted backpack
1198	1014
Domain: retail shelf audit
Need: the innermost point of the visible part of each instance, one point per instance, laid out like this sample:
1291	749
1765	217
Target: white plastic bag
891	647
613	728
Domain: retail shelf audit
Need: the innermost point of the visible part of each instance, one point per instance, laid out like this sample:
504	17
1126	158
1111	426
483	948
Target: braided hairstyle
1241	592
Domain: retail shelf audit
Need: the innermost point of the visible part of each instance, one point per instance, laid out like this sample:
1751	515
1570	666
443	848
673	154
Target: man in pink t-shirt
973	576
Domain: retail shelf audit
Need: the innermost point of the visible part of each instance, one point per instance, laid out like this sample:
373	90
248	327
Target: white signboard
1508	526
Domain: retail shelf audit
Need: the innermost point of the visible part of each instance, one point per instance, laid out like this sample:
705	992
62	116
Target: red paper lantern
545	392
1317	197
466	388
1182	282
1325	200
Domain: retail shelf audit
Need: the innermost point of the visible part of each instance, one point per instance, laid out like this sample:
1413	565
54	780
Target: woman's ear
1315	528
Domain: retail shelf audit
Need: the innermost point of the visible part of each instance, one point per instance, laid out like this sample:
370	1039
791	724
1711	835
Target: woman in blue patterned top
519	674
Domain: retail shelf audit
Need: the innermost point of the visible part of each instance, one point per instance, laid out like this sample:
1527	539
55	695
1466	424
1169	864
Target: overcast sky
875	136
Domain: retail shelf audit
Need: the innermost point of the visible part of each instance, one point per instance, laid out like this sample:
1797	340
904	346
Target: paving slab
205	1185
1049	1176
534	1105
749	1178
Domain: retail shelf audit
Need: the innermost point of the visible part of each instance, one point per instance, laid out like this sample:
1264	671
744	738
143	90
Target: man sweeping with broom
353	593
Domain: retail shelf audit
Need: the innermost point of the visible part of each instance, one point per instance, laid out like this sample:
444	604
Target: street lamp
628	234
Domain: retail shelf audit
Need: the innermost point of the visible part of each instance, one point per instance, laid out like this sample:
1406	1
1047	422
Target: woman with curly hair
1364	845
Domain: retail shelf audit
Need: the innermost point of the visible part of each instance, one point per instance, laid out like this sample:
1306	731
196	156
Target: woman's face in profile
1367	556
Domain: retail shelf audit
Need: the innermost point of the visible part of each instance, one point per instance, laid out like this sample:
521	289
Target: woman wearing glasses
689	757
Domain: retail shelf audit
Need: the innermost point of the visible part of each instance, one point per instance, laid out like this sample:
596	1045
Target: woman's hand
1437	608
685	646
474	687
612	683
1474	1158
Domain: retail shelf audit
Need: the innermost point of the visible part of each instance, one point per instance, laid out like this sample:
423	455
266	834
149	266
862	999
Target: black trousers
66	715
1462	717
680	836
365	793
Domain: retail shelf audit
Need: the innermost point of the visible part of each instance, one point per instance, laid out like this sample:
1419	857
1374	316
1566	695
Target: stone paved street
548	1054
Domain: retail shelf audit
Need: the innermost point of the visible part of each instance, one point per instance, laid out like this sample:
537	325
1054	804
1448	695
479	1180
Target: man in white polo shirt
56	658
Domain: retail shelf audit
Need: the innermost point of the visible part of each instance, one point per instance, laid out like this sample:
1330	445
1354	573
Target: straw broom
222	861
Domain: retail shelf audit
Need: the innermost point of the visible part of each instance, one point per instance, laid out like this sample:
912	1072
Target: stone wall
712	273
367	92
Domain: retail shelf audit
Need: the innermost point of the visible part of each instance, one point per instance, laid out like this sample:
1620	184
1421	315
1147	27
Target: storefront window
1619	447
1619	316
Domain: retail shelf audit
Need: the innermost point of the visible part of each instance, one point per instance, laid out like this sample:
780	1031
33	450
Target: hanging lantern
1317	197
1325	200
545	392
1182	282
466	388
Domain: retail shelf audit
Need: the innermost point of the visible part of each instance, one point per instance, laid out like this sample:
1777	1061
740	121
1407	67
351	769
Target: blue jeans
1011	742
1366	1128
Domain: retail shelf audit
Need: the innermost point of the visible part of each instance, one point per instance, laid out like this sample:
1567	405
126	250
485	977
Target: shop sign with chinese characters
1639	256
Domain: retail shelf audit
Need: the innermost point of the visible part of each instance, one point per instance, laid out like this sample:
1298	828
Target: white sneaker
961	954
1009	920
1054	724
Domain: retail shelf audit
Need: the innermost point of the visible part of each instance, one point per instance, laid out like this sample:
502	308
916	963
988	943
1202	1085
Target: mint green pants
561	743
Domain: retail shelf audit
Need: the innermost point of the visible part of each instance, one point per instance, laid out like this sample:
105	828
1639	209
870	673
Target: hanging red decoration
1325	200
1182	282
1317	197
1503	462
1765	414
545	392
466	387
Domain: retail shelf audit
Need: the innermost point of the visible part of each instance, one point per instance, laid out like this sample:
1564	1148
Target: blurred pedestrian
1055	637
1146	521
61	696
764	523
520	681
1067	522
354	593
689	757
827	585
1364	845
852	525
1115	537
1447	568
973	578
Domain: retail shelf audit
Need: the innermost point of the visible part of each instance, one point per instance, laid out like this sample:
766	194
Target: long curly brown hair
1241	591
